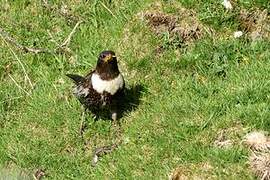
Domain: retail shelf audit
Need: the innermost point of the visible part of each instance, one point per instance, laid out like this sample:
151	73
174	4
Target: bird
102	88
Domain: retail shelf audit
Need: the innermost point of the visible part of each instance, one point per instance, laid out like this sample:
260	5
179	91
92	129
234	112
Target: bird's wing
91	96
77	79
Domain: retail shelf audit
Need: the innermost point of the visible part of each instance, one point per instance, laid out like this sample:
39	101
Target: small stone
227	4
238	34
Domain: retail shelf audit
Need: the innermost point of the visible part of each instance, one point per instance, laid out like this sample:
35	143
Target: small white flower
227	4
95	159
238	34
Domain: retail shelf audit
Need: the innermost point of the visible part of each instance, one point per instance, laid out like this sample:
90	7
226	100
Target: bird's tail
76	78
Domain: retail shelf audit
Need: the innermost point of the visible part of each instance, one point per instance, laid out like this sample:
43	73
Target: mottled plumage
102	88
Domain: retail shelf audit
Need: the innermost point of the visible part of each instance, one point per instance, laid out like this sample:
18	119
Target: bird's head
107	57
107	64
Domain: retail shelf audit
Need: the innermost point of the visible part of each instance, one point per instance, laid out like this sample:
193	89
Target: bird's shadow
131	99
127	104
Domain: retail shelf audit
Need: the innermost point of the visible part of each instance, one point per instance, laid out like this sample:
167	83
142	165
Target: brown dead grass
226	138
187	28
192	171
258	141
178	174
36	130
255	22
183	25
12	171
175	30
260	164
259	159
222	141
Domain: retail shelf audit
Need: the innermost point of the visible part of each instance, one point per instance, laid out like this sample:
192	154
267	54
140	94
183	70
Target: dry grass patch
192	171
228	137
184	25
259	160
260	165
12	171
256	23
180	28
258	141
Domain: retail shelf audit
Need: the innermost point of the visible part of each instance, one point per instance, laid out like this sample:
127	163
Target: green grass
189	94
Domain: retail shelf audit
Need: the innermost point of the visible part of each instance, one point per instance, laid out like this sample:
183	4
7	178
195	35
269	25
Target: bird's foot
114	116
95	117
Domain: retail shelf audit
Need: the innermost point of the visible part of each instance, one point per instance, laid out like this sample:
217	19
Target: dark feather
76	78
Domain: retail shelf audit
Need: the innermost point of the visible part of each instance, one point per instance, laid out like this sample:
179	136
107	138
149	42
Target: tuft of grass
189	92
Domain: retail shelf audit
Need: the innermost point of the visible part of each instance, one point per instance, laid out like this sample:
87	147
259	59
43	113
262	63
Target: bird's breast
109	86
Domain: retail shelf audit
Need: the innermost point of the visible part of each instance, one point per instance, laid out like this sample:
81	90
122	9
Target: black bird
102	88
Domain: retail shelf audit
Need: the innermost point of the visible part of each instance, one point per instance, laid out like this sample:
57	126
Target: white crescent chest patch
110	86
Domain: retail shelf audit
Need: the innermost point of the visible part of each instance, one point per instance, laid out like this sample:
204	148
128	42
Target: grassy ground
194	88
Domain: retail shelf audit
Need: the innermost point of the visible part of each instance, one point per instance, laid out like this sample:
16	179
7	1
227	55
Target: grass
190	93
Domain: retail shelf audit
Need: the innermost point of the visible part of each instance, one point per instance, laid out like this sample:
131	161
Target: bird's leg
94	114
113	111
114	115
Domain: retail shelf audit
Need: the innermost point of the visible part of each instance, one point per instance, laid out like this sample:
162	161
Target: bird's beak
109	58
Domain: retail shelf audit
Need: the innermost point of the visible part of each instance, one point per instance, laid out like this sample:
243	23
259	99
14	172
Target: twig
98	152
108	9
67	40
26	49
35	50
21	64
